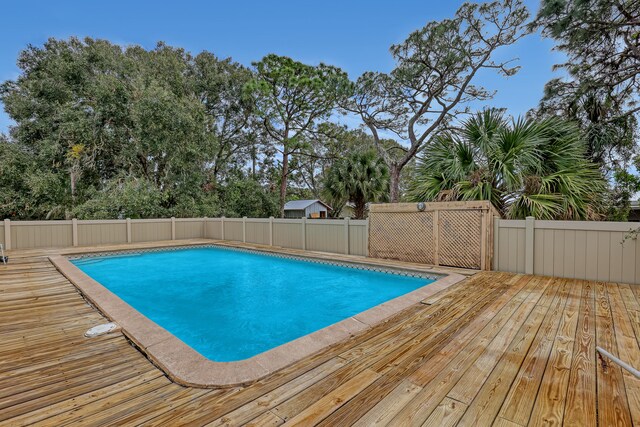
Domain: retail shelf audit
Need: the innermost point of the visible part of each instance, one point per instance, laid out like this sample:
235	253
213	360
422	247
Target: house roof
299	205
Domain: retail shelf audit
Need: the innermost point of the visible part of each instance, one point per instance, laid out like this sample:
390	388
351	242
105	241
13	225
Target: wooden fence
574	249
336	236
456	234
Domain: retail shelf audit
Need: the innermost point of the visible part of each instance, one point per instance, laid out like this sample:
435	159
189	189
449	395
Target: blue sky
354	35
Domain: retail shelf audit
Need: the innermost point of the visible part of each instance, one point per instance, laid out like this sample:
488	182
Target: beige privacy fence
457	234
574	249
337	236
324	235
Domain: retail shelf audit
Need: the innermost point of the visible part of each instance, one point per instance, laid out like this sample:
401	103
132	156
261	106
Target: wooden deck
495	349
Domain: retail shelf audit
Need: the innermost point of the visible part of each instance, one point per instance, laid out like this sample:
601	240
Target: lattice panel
405	236
459	238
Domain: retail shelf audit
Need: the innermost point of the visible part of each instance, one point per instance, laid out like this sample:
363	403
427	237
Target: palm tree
524	167
359	178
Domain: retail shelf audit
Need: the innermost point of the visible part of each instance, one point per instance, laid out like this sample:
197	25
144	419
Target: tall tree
230	131
359	178
432	81
95	117
601	39
71	115
291	99
526	168
104	131
601	89
328	144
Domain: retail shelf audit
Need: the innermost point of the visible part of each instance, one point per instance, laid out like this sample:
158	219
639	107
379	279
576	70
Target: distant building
306	209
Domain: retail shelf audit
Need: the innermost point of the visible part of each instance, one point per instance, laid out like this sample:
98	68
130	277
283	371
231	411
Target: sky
354	35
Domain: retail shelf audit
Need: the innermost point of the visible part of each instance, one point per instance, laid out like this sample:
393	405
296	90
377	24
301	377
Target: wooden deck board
521	396
613	406
497	349
442	370
550	399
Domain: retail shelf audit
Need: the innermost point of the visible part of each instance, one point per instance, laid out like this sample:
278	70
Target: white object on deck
2	257
619	362
101	330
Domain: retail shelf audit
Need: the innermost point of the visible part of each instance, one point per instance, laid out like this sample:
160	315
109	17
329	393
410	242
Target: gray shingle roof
298	205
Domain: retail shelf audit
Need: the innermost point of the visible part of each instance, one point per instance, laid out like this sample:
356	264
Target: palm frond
525	168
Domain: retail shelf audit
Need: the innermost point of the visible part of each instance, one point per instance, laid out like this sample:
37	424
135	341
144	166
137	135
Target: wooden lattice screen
456	234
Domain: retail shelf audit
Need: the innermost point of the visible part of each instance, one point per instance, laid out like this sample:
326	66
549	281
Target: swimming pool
231	305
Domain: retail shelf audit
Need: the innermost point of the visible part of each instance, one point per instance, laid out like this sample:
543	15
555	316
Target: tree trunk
359	208
254	160
394	191
253	167
72	176
283	179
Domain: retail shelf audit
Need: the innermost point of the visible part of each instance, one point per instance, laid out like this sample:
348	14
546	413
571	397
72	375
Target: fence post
496	242
484	231
436	237
128	230
346	235
270	231
530	225
173	228
244	229
7	234
204	227
222	227
74	231
367	235
304	233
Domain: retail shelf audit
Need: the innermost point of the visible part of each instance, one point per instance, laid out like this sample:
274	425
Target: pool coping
186	366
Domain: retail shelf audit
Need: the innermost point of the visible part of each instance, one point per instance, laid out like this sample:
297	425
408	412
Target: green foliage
27	191
246	197
433	79
95	120
129	198
230	122
601	40
329	143
618	199
105	131
525	168
291	98
360	178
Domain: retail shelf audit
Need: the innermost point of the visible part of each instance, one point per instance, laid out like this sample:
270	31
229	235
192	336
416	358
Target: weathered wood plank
446	414
628	349
333	400
456	358
398	364
550	400
580	406
613	407
438	382
265	420
486	404
386	408
273	398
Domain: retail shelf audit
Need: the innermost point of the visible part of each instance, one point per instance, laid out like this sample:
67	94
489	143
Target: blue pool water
230	305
